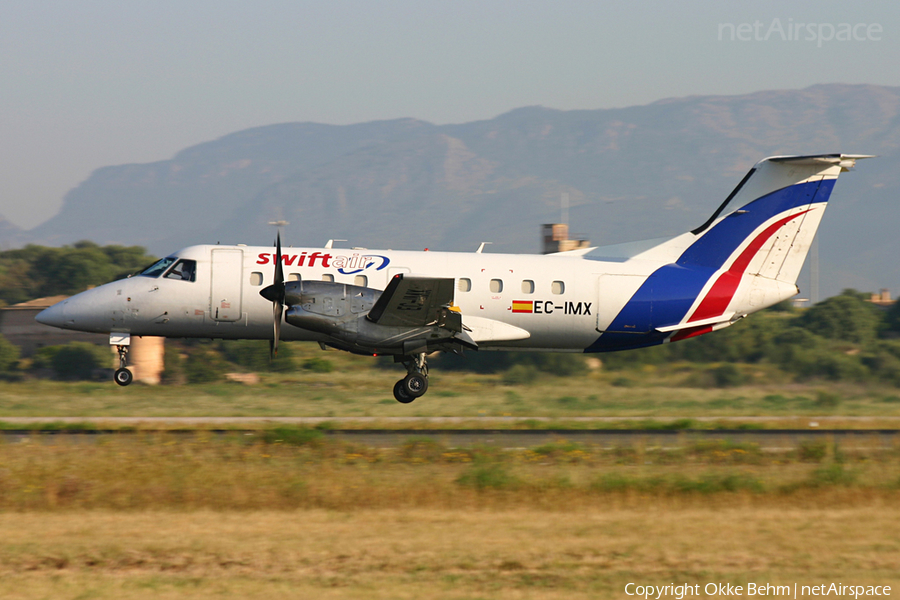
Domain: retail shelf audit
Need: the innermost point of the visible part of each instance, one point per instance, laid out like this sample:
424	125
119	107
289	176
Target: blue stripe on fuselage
667	295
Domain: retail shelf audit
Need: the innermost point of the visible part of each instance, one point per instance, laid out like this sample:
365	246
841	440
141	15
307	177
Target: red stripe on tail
722	291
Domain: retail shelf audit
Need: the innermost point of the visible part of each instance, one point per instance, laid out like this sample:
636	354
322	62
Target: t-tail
739	261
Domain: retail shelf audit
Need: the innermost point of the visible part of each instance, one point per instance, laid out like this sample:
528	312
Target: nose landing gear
415	383
122	375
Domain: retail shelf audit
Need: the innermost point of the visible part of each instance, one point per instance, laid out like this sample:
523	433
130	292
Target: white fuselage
553	302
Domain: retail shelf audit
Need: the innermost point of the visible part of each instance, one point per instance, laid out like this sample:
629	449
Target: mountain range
630	173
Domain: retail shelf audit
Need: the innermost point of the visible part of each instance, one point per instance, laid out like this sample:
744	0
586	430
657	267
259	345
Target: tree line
40	271
842	338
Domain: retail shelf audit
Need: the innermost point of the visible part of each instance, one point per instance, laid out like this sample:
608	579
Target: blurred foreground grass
452	554
288	512
296	468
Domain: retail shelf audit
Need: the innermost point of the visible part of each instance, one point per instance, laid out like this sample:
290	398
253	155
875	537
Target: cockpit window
184	269
159	267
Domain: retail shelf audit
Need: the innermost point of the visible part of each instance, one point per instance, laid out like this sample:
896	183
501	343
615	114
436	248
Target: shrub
318	365
9	355
79	360
560	364
204	365
622	382
484	476
254	355
293	436
173	365
825	399
519	375
727	375
812	451
833	474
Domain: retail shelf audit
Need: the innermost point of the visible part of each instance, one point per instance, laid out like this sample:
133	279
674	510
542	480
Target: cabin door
225	293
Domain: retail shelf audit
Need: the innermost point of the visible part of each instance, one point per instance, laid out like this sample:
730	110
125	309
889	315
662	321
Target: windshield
184	270
157	268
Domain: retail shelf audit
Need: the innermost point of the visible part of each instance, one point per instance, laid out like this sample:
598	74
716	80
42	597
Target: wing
412	301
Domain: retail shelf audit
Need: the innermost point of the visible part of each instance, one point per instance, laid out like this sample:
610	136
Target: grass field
357	390
288	513
295	468
514	553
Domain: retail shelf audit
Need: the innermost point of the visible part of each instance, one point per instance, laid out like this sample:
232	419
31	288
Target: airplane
410	304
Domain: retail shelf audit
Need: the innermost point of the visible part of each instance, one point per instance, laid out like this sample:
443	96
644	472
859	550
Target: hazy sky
85	84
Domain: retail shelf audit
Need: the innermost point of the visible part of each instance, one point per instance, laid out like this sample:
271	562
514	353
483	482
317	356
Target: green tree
173	365
78	360
891	320
37	271
9	355
253	355
847	317
204	365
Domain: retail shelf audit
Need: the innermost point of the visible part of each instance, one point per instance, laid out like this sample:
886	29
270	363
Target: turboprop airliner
410	304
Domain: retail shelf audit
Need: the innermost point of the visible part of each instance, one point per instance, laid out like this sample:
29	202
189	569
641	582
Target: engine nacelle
327	307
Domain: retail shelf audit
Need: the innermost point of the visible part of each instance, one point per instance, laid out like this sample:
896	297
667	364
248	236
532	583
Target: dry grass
164	516
357	390
428	553
299	469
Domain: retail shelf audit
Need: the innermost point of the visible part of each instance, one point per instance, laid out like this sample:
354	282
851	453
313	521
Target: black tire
415	384
123	377
400	393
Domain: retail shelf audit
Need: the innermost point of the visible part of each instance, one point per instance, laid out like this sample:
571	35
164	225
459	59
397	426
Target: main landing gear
415	383
123	376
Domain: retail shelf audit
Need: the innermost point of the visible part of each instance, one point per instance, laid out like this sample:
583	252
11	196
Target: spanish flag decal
523	306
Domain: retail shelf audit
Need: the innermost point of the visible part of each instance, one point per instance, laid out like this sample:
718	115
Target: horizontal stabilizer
726	318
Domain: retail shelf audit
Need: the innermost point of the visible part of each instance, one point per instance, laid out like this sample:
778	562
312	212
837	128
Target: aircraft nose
53	316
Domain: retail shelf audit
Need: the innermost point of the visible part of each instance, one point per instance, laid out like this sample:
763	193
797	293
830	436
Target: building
556	239
882	298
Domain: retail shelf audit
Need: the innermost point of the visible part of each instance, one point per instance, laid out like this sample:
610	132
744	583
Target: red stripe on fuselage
722	291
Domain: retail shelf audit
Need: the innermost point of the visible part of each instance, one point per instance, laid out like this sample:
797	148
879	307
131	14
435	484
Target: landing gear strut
415	383
123	376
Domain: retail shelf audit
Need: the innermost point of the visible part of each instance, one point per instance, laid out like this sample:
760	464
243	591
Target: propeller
275	294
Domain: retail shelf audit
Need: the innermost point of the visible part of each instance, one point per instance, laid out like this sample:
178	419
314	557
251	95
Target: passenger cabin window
293	277
328	277
183	270
527	287
361	281
159	267
496	286
464	285
256	278
558	287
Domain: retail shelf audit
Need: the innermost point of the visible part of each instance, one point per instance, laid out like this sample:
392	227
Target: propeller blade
279	269
277	310
275	293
